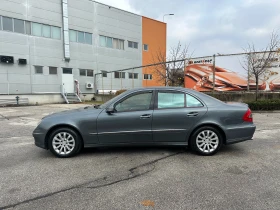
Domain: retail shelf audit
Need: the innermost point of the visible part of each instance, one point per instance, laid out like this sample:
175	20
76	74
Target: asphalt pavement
241	176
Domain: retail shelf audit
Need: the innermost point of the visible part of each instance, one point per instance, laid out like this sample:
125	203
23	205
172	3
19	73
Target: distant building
47	47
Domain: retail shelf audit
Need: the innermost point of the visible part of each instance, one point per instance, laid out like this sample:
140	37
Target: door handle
145	116
192	114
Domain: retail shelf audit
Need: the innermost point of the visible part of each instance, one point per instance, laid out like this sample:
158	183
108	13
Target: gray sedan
148	116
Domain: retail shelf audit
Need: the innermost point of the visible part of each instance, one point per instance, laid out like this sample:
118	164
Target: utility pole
248	71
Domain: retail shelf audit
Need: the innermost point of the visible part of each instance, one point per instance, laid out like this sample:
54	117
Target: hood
79	111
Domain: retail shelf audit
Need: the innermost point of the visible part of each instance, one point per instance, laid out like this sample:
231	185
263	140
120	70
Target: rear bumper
239	134
39	139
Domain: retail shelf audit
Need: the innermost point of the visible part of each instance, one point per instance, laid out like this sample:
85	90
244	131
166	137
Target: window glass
148	76
81	37
135	75
171	100
104	74
129	44
102	41
19	26
67	71
117	74
52	70
27	27
109	42
121	44
36	29
83	72
90	73
140	101
56	32
145	47
73	36
7	24
0	23
46	31
193	102
38	69
123	75
115	43
136	45
130	75
88	38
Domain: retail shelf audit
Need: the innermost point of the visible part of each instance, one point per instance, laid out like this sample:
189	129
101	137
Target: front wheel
206	140
64	142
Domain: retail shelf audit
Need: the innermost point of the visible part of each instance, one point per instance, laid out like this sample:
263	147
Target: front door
174	115
131	121
68	80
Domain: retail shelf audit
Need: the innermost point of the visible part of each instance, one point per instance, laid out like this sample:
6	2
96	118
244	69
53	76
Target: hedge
264	104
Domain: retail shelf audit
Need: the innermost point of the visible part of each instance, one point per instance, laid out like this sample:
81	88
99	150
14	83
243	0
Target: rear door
174	115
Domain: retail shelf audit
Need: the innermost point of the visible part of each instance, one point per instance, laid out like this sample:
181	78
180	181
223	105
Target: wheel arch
62	126
222	132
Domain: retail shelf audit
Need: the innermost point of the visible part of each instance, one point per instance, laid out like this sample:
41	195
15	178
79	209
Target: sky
211	26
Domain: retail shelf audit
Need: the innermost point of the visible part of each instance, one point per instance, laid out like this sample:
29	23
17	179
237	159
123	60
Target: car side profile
148	116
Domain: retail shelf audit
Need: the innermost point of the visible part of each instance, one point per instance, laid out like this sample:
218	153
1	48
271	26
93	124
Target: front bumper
39	139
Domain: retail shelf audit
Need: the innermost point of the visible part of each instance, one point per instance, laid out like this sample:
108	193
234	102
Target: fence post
214	71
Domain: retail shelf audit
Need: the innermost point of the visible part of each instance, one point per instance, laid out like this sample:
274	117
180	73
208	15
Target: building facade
50	46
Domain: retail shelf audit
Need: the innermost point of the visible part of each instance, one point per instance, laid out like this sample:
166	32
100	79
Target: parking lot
240	176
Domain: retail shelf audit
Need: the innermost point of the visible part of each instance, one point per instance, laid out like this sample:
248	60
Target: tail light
248	116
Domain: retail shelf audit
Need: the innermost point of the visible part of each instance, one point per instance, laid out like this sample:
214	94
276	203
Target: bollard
17	98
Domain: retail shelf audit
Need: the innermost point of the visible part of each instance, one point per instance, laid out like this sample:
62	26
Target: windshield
106	104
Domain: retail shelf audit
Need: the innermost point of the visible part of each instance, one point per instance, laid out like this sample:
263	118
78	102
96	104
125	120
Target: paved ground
241	176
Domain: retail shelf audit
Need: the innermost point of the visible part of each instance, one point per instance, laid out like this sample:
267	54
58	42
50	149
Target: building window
83	72
148	76
67	71
52	70
104	74
133	75
46	32
145	47
36	29
19	26
79	36
73	36
110	42
120	75
88	38
0	22
56	32
28	27
133	44
38	69
7	24
90	73
86	72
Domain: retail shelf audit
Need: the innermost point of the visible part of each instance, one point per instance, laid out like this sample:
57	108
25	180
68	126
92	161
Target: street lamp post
166	15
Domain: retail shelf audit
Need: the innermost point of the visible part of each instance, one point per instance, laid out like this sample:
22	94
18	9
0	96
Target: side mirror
110	110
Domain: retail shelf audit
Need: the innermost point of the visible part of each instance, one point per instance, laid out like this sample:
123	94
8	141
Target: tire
206	141
64	142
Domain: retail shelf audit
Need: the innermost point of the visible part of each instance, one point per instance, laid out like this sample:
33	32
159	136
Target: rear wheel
64	142
206	140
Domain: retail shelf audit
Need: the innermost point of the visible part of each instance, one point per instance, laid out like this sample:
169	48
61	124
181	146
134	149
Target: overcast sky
211	26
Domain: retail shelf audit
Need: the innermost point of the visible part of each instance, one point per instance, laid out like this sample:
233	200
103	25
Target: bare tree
172	73
257	62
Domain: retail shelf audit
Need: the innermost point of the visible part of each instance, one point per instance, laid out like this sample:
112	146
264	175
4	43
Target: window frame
170	91
151	107
150	77
133	44
2	24
66	68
